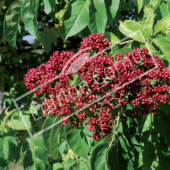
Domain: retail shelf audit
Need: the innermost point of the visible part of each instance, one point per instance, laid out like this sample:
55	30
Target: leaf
148	154
82	165
50	8
1	28
11	21
139	4
148	20
132	29
48	36
30	23
163	24
123	51
69	163
53	142
18	124
76	17
97	17
114	7
75	79
39	163
76	140
155	3
163	44
163	120
92	18
114	157
97	158
113	39
34	4
46	133
5	148
164	9
147	123
101	15
168	5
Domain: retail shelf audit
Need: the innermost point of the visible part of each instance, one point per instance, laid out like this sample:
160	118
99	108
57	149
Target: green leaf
113	39
114	157
76	17
123	51
101	15
92	18
163	120
97	17
164	9
40	164
76	140
18	124
155	3
163	44
69	163
1	27
132	29
168	5
50	8
139	4
54	136
163	24
148	20
46	133
30	23
82	165
148	154
114	7
147	123
34	4
97	158
75	79
57	166
48	36
11	21
5	148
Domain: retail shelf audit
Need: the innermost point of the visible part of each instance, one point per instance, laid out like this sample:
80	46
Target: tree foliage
30	31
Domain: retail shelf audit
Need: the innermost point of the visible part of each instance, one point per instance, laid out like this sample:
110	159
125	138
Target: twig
117	126
126	42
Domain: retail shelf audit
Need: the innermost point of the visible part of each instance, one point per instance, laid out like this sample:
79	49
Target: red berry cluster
104	83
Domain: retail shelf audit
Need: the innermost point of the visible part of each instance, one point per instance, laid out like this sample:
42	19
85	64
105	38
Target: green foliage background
143	142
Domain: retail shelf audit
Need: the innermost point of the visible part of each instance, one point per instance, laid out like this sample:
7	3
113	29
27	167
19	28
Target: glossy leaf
77	142
97	17
11	23
97	158
123	51
30	23
114	7
34	4
76	18
54	136
114	158
163	24
48	36
148	20
113	39
139	4
164	9
147	123
163	44
132	29
46	133
50	8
